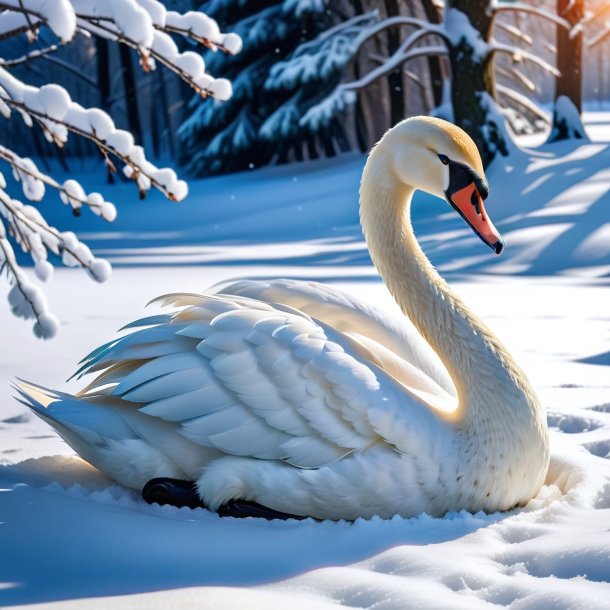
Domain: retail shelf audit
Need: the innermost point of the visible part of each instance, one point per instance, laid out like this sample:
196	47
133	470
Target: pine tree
261	122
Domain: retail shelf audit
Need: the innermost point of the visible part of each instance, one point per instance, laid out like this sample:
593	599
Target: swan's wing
254	380
388	337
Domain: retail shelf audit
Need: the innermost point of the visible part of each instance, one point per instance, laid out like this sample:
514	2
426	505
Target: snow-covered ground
71	538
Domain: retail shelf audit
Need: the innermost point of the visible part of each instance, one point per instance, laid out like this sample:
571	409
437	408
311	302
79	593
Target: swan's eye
444	159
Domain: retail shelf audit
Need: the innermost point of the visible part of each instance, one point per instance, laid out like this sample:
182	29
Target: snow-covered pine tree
144	25
261	121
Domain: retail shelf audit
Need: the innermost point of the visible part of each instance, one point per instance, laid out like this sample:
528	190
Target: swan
288	398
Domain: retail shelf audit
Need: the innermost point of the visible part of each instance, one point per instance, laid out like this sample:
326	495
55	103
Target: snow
73	539
566	120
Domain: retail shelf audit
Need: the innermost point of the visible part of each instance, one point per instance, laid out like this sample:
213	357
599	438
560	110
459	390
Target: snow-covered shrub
147	27
566	121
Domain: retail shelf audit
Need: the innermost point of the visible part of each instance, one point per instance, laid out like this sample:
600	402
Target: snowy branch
334	49
518	55
71	192
600	37
57	115
399	21
523	101
344	95
355	23
518	76
10	63
515	32
394	61
25	299
144	25
533	10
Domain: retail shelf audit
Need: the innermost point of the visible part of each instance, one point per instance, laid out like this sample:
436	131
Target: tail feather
97	428
34	396
87	418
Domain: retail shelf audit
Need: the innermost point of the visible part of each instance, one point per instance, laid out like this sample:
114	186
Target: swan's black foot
173	492
176	492
244	508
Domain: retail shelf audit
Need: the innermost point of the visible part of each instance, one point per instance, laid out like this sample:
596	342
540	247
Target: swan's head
439	158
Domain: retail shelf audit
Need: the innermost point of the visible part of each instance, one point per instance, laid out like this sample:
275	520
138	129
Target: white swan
304	400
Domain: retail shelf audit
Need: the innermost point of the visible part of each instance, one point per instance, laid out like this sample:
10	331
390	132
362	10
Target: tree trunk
395	79
434	63
569	63
472	81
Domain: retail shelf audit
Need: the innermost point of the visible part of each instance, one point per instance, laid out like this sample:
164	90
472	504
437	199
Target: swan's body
320	405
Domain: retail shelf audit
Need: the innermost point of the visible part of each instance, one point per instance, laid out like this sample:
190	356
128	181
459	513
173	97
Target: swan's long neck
478	364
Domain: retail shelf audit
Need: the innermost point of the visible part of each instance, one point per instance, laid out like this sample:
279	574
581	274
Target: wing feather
256	379
351	316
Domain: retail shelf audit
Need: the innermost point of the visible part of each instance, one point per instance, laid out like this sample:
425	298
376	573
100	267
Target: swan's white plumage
306	400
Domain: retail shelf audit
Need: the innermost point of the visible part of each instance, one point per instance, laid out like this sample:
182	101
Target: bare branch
12	33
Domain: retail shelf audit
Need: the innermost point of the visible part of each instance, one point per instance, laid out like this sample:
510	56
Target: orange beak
469	203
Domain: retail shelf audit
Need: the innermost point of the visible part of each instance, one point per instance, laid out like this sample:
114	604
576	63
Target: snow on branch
600	37
344	94
519	55
146	32
515	32
147	27
57	115
518	76
58	15
25	299
35	54
597	12
500	7
338	46
71	192
523	101
320	57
